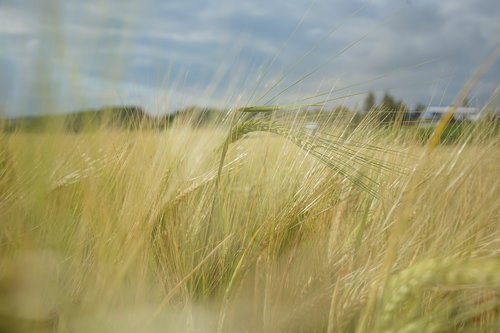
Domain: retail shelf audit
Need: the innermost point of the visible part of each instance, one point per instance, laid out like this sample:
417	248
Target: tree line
390	110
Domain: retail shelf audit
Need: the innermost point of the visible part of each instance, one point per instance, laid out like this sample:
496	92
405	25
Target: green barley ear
406	288
272	108
261	108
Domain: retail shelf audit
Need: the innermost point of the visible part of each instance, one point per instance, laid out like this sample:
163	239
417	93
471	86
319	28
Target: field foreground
117	231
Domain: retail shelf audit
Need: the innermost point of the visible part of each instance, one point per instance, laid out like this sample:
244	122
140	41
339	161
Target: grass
337	231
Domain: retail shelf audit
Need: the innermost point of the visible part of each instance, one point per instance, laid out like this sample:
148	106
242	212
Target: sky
63	56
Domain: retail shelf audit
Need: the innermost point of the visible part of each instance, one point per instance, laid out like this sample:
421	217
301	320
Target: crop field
128	231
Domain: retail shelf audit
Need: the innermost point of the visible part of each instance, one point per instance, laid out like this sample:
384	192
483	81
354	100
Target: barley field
146	231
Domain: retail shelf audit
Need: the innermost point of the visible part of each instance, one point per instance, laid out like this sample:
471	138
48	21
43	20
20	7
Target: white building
492	108
435	113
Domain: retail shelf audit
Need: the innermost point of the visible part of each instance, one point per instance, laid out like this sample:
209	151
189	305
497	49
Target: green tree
369	102
419	108
386	110
388	101
401	111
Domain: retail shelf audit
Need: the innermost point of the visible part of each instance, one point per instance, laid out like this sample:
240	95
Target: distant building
491	110
435	113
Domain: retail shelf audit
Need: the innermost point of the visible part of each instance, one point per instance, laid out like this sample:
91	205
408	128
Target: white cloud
32	45
14	22
205	37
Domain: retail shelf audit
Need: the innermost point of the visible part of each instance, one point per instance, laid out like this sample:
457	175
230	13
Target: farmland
130	231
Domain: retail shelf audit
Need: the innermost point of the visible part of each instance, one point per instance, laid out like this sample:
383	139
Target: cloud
218	52
12	23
